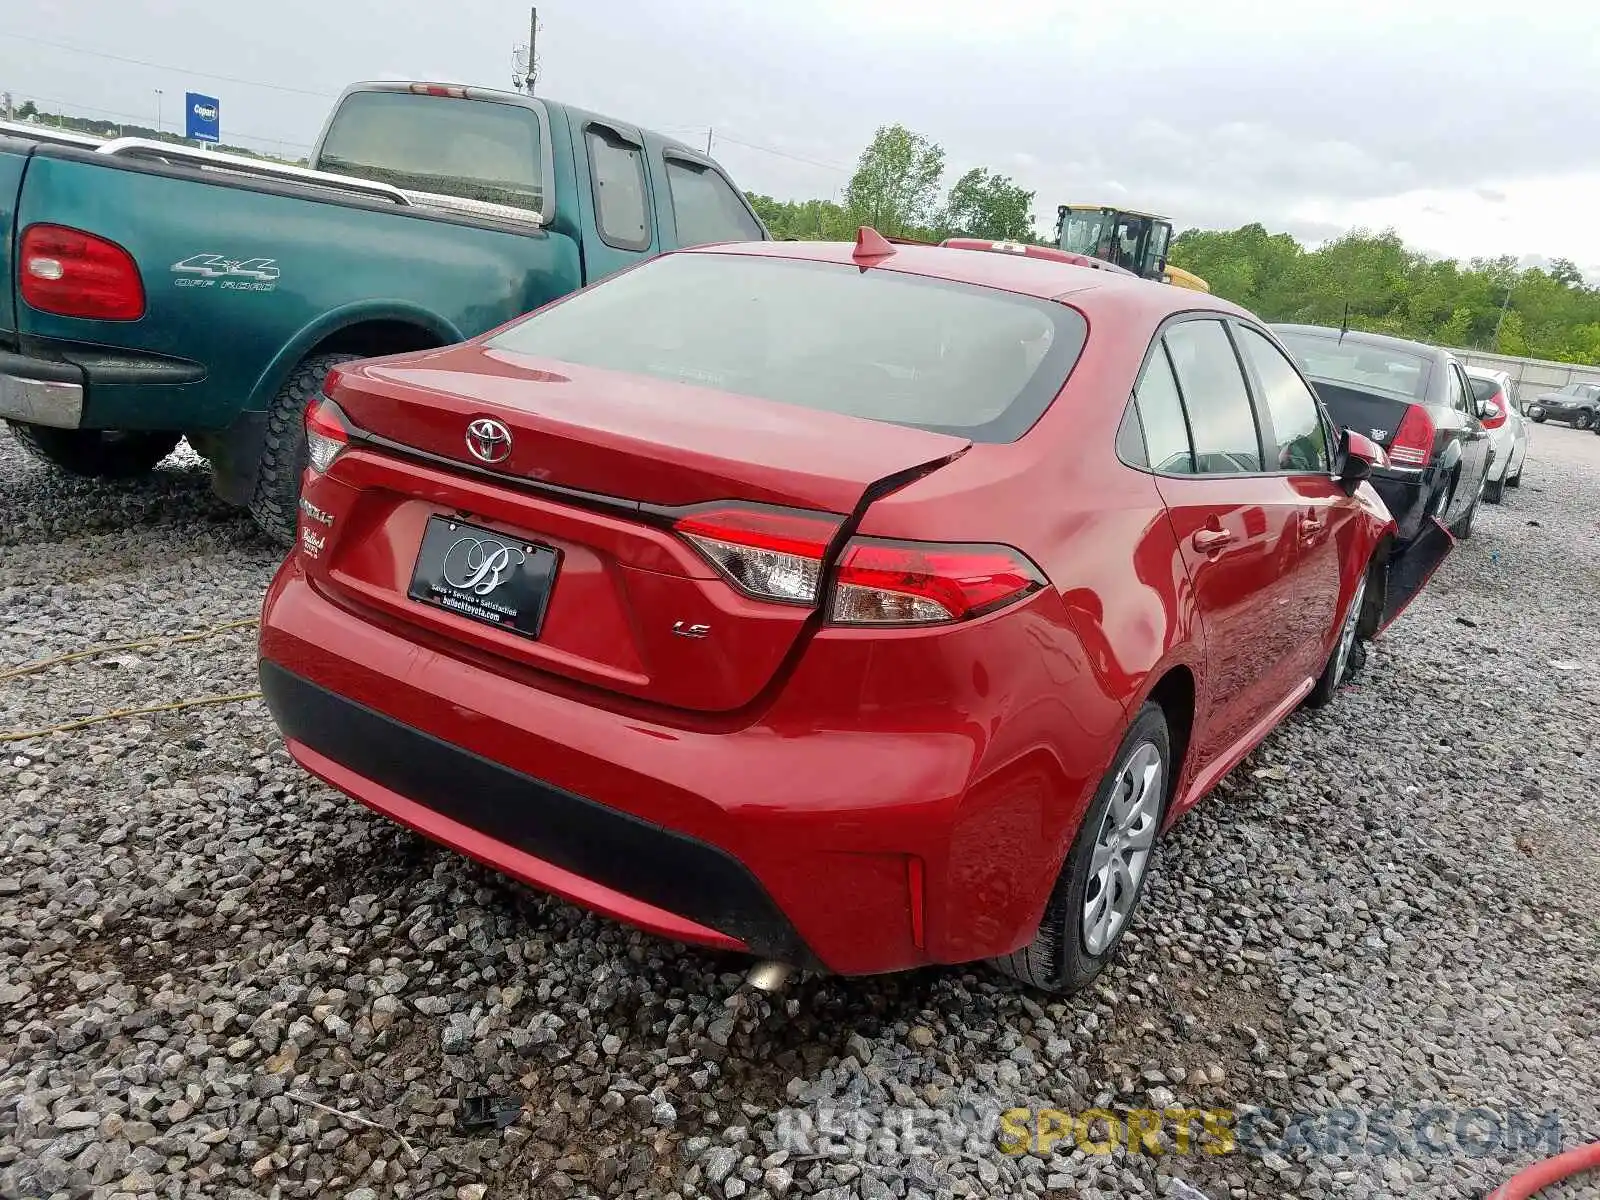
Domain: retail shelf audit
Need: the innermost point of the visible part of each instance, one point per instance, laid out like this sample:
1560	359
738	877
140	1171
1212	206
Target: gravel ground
1390	905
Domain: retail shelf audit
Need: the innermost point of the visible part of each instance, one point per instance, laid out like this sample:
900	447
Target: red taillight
779	554
75	274
1413	441
772	554
1500	402
438	89
917	583
325	433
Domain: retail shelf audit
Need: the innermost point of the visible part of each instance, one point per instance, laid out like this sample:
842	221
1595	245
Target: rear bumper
40	392
878	837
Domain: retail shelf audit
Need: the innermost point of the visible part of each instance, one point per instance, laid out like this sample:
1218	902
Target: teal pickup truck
154	291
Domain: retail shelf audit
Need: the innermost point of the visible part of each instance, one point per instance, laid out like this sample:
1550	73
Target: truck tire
96	453
275	503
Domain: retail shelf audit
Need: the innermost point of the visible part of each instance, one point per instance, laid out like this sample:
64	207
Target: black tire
1583	420
1515	480
1494	491
1463	527
1057	959
275	503
96	453
1334	672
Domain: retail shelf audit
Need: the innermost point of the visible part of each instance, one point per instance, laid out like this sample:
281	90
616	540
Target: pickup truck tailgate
13	161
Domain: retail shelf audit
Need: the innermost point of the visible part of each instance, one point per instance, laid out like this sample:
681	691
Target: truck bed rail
56	137
238	164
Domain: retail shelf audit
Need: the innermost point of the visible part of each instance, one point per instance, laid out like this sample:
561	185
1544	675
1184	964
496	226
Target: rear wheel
1463	528
276	501
1343	659
96	453
1494	490
1103	877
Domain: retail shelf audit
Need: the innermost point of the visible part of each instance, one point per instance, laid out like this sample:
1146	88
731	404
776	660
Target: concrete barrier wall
1530	376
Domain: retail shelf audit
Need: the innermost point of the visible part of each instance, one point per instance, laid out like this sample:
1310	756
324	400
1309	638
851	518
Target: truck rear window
475	149
929	353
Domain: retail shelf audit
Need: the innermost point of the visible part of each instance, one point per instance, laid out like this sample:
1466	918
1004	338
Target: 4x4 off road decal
228	274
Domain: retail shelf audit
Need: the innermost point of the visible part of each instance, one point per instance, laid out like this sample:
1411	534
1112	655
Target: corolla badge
478	566
488	441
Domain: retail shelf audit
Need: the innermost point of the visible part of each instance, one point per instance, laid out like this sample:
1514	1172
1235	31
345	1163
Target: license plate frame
491	578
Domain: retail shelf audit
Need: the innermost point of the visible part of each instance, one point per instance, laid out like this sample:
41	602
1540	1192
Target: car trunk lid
600	467
1370	413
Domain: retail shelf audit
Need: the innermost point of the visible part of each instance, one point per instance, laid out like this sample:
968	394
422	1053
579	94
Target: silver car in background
1508	431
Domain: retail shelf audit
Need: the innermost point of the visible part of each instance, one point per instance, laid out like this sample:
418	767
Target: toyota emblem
488	440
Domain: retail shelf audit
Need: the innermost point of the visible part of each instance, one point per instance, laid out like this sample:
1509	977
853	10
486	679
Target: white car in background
1508	430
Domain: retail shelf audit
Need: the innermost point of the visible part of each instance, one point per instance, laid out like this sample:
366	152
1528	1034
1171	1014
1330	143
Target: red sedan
858	607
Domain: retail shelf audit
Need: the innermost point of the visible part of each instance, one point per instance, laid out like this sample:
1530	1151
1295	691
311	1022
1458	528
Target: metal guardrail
57	137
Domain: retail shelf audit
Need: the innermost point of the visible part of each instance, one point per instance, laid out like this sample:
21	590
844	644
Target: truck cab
150	290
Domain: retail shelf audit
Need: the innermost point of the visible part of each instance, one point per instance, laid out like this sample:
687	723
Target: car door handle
1311	525
1209	541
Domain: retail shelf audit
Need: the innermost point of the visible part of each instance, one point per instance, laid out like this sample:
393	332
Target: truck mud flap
1412	566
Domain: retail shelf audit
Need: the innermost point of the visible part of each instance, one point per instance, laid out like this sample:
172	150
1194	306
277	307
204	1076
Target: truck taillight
780	555
1413	441
75	274
438	89
325	433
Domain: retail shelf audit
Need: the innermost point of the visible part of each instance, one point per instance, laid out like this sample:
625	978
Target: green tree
1565	271
988	205
895	188
27	111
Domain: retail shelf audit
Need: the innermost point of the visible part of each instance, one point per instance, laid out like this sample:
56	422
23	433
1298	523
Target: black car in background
1578	404
1413	400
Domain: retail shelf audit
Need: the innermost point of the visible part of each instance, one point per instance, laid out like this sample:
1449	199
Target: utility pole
709	133
158	112
6	97
1495	341
533	48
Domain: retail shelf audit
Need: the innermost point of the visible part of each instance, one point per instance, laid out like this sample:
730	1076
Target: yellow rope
142	644
22	735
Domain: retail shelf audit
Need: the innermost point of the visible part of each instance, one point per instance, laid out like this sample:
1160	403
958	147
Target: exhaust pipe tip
769	977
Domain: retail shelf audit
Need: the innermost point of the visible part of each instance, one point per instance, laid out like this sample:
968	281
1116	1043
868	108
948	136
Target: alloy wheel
1347	635
1122	847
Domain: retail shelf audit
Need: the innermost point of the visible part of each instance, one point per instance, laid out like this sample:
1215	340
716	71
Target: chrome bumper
41	401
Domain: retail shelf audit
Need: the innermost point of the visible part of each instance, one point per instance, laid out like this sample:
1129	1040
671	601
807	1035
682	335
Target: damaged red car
853	606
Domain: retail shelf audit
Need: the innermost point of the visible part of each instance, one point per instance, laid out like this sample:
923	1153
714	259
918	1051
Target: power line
140	62
727	137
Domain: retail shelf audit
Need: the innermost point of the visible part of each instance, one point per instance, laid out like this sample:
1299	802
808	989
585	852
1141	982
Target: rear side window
1222	422
706	208
1483	389
1166	433
928	353
621	200
1301	443
475	149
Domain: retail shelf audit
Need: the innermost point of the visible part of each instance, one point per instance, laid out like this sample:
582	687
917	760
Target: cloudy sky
1471	126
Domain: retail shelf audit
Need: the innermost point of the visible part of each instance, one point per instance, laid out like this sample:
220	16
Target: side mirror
1489	410
1358	455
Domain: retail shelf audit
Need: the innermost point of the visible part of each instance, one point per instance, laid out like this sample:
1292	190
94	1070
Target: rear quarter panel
335	263
1051	694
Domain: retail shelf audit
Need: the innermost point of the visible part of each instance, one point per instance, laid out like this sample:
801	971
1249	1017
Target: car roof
1044	278
1361	337
1485	372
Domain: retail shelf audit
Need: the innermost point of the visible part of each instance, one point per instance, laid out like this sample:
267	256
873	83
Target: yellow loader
1135	241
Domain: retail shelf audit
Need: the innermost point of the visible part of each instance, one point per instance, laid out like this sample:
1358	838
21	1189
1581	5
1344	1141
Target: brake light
885	582
76	274
1498	399
778	554
325	433
771	554
438	89
1413	441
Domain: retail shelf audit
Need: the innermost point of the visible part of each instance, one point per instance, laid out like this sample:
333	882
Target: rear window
1483	389
950	357
475	149
1361	365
